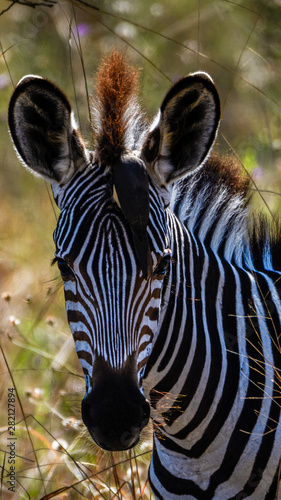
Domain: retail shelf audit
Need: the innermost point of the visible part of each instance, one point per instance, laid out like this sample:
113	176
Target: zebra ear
43	130
184	131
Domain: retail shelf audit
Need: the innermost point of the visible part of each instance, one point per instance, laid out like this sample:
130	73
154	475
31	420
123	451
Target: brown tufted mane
117	83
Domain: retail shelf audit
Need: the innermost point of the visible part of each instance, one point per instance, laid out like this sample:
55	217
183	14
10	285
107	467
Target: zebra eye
163	265
65	270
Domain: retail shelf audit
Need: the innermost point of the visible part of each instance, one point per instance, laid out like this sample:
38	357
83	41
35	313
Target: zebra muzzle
115	412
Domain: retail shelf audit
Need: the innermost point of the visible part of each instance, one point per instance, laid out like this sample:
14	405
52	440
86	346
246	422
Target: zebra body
173	301
221	441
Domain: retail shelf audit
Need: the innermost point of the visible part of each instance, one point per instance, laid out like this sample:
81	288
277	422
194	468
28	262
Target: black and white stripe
172	294
214	371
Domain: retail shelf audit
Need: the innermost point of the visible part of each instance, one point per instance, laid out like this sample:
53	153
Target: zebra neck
202	373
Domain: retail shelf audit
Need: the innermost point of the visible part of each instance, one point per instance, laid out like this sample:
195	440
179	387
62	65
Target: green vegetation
238	43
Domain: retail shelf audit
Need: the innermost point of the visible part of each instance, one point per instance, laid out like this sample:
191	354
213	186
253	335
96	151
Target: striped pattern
111	310
213	376
214	373
197	334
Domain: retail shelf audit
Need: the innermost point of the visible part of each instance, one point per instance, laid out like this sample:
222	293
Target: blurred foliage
238	44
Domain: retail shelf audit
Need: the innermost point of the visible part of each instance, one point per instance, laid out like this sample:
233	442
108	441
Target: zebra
171	285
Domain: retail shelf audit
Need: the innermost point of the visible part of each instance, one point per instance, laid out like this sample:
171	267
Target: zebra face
112	237
112	303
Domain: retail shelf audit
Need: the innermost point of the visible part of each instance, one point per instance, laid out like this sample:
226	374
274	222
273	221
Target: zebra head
112	237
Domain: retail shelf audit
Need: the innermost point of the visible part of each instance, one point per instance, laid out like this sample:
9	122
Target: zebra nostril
146	414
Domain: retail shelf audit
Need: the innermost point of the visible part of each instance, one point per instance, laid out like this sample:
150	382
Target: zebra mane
265	240
218	180
213	203
117	118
